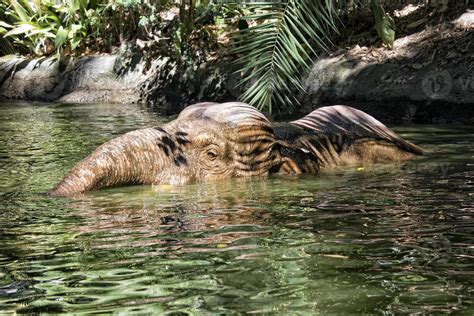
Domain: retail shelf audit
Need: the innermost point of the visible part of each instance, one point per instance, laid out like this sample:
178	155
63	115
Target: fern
276	47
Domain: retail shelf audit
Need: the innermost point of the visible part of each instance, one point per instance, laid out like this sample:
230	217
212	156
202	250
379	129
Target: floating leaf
334	256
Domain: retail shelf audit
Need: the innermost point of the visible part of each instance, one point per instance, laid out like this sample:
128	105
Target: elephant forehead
232	114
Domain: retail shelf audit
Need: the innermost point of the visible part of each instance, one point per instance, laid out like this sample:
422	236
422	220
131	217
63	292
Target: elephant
211	141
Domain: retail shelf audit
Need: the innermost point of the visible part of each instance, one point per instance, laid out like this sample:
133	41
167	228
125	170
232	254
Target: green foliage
6	45
384	24
44	26
67	26
279	39
127	19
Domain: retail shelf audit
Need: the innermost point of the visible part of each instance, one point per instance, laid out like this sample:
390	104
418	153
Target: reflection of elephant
213	141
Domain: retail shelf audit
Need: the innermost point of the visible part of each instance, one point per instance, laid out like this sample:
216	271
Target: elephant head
207	141
210	141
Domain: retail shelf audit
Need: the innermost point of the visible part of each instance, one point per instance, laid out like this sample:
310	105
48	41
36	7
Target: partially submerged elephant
211	141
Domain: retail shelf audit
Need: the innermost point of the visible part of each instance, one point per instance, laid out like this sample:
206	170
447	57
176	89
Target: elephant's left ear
340	120
295	159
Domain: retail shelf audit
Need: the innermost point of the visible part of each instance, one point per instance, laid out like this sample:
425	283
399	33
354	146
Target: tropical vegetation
44	27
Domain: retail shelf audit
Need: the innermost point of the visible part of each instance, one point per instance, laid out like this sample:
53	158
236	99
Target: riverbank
426	78
117	78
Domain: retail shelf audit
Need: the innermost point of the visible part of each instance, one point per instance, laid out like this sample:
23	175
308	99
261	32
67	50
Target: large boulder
86	79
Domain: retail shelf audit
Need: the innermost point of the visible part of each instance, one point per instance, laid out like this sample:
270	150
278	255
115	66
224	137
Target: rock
29	79
87	79
466	20
94	79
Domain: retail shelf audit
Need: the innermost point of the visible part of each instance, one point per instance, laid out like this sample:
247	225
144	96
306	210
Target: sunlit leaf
20	29
75	42
6	25
61	37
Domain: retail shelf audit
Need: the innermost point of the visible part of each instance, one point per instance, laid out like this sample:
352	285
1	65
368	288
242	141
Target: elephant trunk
133	158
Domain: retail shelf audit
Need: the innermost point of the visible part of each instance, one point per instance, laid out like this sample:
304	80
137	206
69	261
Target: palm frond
277	46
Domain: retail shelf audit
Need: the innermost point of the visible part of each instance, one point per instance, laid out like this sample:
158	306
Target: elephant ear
341	121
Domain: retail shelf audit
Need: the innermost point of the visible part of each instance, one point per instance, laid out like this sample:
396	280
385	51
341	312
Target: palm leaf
23	28
277	47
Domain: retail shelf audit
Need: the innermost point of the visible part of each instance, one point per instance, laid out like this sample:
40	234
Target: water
389	239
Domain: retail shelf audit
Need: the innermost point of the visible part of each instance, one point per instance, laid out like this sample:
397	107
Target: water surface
389	239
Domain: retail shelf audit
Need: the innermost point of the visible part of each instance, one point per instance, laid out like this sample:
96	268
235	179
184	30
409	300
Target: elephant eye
211	154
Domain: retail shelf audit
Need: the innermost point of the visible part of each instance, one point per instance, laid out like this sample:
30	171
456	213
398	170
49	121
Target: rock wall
122	78
88	79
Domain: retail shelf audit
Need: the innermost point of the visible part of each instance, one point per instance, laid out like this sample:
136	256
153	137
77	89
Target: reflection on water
387	239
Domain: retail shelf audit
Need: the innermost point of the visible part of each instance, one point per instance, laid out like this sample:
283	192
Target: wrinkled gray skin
210	141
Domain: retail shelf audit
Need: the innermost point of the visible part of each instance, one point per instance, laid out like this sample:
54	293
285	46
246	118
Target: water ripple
393	239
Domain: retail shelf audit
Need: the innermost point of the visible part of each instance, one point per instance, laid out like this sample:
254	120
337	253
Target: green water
389	239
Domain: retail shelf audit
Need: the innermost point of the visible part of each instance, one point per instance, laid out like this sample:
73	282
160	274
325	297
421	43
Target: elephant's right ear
295	160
